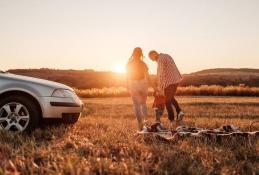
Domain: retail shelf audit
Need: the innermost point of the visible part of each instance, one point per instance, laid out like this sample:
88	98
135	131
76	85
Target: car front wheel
18	114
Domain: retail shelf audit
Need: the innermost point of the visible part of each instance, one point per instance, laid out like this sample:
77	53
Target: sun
119	68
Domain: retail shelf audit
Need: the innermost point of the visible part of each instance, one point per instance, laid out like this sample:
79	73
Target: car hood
25	79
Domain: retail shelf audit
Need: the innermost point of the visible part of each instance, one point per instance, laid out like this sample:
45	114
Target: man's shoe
180	116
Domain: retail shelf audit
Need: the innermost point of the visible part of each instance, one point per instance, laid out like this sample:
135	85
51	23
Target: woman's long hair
136	55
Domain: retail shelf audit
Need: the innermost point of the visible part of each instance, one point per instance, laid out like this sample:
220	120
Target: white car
25	101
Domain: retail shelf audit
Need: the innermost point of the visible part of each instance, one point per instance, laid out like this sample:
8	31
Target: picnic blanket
226	131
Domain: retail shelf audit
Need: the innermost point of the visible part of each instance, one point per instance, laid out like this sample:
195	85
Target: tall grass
203	90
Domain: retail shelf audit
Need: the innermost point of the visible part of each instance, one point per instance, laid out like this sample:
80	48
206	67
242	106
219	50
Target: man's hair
152	52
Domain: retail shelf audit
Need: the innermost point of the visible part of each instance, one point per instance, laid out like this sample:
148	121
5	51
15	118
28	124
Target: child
159	107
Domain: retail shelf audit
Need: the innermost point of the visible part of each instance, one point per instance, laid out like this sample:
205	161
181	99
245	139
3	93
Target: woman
137	78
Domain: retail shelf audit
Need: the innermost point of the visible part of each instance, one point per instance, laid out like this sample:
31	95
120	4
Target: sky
101	34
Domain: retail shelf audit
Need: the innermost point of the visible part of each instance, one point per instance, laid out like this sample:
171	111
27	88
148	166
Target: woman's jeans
139	93
170	92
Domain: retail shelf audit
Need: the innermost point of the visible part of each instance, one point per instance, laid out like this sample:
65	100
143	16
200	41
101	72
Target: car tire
29	106
71	119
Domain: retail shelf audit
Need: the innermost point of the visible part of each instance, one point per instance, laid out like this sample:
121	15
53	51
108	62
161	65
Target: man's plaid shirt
167	71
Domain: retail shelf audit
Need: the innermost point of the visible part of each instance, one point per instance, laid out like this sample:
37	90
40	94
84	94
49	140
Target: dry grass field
104	142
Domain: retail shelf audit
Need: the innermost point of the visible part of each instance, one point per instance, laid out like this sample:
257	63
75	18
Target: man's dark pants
170	92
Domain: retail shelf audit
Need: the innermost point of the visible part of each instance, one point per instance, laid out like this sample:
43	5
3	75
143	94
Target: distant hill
224	77
85	79
81	79
228	71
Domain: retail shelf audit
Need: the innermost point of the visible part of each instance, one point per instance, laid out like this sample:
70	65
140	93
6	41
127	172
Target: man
168	79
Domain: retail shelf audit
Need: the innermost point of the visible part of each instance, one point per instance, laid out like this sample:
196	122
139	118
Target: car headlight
63	93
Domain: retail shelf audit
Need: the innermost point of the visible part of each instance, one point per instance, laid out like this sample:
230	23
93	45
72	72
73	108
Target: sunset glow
119	68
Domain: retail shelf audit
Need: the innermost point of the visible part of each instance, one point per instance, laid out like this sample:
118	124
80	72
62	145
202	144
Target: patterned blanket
226	131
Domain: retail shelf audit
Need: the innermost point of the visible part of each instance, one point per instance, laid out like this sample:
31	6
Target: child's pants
159	114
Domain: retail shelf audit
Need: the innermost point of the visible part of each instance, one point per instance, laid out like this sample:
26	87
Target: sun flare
119	68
